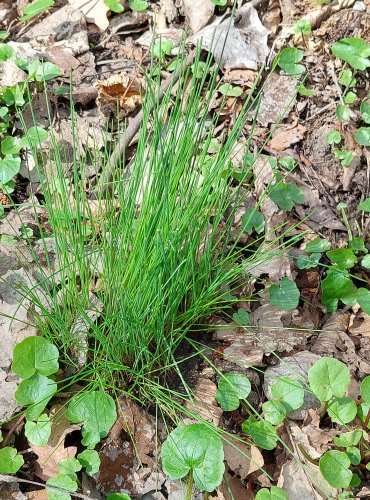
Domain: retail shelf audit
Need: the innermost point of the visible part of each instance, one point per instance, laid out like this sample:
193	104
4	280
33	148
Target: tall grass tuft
149	258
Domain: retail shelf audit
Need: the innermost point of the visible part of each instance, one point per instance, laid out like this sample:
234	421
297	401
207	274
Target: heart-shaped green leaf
253	220
334	466
195	448
10	461
288	59
337	286
342	410
231	388
343	257
262	433
89	459
97	411
290	392
38	432
284	296
274	411
35	354
36	391
354	51
275	493
328	377
362	136
9	168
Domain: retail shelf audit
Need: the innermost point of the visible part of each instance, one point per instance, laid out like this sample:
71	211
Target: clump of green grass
156	249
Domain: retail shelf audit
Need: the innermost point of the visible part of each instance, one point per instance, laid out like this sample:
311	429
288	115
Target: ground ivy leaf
253	219
90	460
354	455
337	286
347	439
274	411
262	433
343	257
275	493
318	245
241	317
69	466
288	58
97	411
194	447
231	388
285	295
354	51
9	168
35	391
308	261
342	410
365	389
286	195
290	392
35	354
230	90
334	466
363	298
61	481
38	432
328	377
364	205
10	461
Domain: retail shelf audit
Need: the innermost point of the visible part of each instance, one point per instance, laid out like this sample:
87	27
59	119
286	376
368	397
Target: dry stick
132	129
12	479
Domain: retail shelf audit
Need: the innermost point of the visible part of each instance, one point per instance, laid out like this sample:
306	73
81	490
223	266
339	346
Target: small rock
295	367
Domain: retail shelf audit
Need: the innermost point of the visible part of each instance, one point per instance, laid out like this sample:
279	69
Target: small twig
132	129
13	479
10	433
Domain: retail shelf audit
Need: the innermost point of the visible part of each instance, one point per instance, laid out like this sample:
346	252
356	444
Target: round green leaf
90	460
363	298
328	377
362	136
334	466
162	47
354	455
241	317
253	220
355	482
366	262
35	136
290	392
285	195
9	168
302	26
350	97
10	461
62	481
97	411
11	145
275	493
337	286
364	205
138	5
262	432
230	90
318	245
194	447
114	5
35	354
346	78
35	391
288	59
47	71
231	388
344	155
342	410
342	113
354	51
365	111
365	389
274	411
284	296
333	137
347	439
38	432
6	51
343	257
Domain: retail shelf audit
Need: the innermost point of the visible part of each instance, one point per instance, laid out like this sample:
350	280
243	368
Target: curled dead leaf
123	91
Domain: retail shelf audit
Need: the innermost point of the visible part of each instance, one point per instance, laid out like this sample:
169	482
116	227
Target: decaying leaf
236	44
241	458
46	466
278	97
204	402
285	137
198	17
120	92
95	11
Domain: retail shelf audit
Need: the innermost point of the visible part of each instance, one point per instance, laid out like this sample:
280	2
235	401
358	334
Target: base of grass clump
141	260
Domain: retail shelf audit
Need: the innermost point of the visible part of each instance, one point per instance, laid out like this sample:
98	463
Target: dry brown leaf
295	482
278	97
95	11
123	89
241	458
46	466
204	402
284	138
198	17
